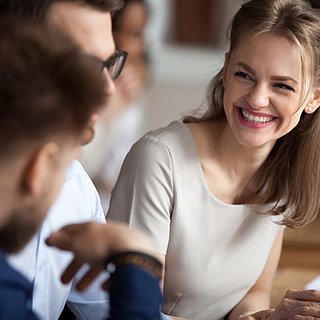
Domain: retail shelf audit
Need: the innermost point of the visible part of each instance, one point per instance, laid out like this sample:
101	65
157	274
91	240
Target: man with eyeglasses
49	90
88	24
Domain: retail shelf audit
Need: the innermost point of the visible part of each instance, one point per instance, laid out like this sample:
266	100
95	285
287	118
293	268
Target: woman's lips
254	119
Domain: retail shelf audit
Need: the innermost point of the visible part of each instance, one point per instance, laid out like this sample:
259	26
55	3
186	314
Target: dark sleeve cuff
134	294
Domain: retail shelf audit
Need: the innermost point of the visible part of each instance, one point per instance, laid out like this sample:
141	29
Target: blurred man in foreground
48	93
88	23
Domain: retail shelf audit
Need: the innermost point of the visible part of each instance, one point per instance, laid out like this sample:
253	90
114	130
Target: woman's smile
253	119
262	97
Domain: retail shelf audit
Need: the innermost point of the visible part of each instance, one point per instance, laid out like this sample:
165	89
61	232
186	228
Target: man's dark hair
48	87
38	9
116	21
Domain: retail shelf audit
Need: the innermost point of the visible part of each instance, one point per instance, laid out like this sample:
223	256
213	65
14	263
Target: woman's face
130	36
263	83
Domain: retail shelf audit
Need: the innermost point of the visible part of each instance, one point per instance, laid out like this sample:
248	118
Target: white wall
179	74
180	77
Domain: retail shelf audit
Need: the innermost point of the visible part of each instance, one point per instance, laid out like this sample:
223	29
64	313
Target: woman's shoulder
169	136
174	140
172	129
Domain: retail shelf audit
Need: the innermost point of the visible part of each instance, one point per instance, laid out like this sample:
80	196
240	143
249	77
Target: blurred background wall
186	41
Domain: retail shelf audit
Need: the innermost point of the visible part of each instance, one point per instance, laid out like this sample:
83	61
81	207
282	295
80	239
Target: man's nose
110	86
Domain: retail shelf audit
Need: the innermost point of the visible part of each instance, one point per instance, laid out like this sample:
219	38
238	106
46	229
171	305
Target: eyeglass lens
115	63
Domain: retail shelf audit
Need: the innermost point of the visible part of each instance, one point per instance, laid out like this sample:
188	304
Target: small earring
308	110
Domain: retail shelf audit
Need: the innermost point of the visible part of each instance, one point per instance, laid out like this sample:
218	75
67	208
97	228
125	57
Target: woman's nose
258	97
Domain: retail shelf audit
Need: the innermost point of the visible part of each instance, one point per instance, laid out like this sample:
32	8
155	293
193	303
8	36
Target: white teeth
255	119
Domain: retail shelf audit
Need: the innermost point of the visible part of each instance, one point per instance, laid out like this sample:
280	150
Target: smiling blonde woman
214	191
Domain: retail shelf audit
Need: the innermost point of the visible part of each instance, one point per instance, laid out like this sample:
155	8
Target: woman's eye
284	86
242	75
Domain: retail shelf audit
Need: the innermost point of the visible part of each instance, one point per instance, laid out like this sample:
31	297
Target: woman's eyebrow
275	77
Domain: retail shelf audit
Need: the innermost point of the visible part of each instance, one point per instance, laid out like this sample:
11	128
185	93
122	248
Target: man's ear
38	167
314	102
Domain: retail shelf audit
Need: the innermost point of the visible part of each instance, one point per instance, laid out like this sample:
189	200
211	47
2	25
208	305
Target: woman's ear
314	102
39	166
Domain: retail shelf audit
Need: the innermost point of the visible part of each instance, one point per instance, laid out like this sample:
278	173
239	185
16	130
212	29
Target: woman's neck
223	159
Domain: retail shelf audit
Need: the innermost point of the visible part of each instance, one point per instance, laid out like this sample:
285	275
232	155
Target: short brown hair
48	87
37	9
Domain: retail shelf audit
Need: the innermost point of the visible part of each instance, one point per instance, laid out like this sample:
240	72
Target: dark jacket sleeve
134	294
15	293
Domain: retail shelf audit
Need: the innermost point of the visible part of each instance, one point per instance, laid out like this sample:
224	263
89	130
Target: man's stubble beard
19	230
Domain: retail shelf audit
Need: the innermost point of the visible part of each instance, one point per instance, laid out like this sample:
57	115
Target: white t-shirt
214	251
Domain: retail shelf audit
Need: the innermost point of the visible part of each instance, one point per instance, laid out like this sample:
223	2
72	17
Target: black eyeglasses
115	63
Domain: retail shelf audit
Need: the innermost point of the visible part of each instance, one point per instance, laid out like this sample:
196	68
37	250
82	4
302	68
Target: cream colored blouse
214	251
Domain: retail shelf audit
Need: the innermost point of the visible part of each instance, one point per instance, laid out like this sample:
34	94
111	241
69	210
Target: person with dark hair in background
214	190
103	158
48	93
88	24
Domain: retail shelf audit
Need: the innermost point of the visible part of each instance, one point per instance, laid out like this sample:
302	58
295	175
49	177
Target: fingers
57	239
265	314
61	239
300	308
85	280
71	270
299	304
303	295
88	278
260	315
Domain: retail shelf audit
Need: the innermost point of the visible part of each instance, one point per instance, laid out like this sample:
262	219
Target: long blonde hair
290	176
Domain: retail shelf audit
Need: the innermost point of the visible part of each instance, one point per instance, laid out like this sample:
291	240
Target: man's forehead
88	26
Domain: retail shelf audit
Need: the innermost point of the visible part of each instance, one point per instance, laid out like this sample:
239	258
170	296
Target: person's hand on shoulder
95	243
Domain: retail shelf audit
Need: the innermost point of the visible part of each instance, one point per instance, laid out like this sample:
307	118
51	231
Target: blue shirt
135	294
15	293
